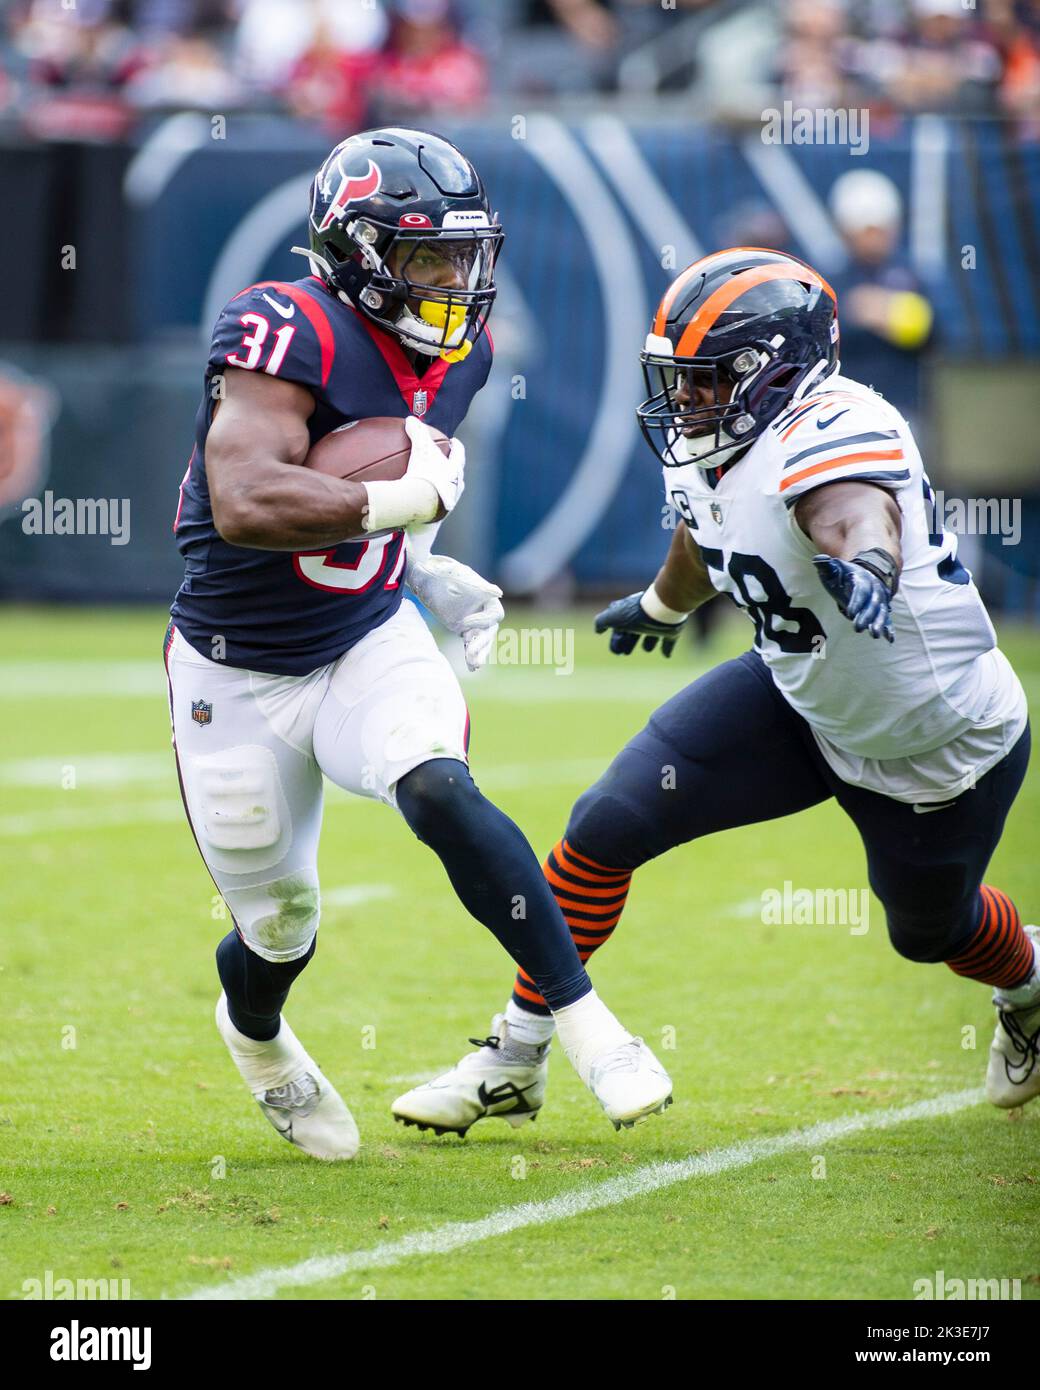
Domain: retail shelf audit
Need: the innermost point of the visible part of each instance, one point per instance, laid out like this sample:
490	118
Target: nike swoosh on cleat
506	1091
279	309
821	424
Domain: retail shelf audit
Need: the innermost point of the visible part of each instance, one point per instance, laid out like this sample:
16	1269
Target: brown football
367	451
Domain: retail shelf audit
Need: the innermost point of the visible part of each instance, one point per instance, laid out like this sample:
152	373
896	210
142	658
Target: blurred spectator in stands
941	63
736	60
329	85
811	60
210	17
185	71
275	37
79	62
1015	27
563	46
886	318
425	65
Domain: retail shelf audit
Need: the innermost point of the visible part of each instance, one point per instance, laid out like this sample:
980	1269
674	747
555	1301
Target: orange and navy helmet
736	337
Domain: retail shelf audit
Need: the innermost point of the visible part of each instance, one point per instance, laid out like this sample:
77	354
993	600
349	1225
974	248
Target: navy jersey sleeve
278	329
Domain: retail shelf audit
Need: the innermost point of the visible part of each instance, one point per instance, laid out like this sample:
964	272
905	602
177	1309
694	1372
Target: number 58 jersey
920	719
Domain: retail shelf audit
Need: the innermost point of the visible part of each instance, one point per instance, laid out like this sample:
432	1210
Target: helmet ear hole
787	377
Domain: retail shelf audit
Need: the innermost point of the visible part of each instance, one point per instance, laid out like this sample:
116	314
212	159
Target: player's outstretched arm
261	497
682	584
857	527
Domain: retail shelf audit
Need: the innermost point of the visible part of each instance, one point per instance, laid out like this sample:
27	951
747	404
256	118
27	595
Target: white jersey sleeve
841	436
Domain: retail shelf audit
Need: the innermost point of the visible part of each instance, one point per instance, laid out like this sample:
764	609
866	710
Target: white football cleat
291	1090
630	1083
1013	1074
481	1086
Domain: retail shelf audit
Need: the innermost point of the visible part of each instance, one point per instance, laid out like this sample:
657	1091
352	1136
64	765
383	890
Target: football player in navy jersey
290	654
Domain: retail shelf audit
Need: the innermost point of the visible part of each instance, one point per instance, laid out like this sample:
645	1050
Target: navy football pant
729	750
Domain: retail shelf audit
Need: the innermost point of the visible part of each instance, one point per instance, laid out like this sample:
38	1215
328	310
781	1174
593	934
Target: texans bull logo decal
352	189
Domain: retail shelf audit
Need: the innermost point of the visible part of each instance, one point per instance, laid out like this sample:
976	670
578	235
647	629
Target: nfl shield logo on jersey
201	712
716	513
419	403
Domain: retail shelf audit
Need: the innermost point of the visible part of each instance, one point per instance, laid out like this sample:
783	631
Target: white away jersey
918	720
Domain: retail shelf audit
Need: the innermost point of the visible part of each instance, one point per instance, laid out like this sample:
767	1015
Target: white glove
427	462
461	600
430	482
477	642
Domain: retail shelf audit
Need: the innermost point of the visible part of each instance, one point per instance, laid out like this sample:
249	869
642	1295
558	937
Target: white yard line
653	1177
101	770
93	817
642	685
45	772
81	680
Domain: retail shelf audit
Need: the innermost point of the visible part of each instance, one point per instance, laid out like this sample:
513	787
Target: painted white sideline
455	1235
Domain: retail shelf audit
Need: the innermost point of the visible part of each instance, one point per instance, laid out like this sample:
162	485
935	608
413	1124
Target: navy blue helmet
384	200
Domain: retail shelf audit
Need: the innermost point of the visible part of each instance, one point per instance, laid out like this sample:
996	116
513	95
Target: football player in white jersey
874	677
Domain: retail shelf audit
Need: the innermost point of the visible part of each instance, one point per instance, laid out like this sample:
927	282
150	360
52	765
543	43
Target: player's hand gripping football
459	598
862	590
627	620
447	475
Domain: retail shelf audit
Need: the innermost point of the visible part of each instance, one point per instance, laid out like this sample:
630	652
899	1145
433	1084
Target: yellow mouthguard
438	316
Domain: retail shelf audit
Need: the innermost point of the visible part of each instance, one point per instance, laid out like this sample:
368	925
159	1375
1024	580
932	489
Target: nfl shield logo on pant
201	712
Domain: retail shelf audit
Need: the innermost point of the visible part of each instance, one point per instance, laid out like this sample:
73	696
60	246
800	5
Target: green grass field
129	1148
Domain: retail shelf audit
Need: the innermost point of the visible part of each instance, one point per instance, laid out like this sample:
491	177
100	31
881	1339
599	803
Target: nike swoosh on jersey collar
821	423
280	308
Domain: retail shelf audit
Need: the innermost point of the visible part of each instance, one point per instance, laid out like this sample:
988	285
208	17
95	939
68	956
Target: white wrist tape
660	612
402	502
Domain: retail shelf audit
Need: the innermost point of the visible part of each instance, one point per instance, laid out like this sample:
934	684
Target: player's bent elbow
237	524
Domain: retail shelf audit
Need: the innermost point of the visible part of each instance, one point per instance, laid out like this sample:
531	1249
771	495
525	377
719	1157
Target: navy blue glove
630	621
862	591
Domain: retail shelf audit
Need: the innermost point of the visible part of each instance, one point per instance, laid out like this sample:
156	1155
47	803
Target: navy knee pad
437	798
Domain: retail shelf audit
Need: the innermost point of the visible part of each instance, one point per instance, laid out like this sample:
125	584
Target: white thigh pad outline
239	803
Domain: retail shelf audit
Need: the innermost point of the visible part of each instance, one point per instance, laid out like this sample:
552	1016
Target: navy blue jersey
276	611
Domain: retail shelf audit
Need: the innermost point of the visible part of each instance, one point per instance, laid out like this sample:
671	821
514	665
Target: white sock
526	1027
1023	995
586	1030
263	1065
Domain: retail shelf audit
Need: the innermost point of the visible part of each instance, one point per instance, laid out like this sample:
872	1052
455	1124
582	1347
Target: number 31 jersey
275	611
920	719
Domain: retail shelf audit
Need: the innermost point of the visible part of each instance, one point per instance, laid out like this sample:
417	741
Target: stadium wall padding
167	230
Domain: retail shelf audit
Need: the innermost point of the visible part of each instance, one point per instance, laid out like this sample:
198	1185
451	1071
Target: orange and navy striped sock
999	953
591	897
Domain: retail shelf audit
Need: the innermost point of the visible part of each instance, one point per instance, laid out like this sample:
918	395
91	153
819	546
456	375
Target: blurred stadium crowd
93	69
